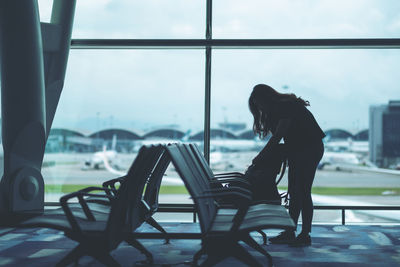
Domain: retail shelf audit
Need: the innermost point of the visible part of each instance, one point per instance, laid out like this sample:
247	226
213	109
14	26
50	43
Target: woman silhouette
286	116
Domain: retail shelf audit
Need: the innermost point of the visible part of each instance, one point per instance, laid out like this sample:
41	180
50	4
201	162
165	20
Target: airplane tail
109	168
114	143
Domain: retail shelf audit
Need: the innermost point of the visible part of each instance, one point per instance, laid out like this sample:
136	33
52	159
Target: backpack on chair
262	177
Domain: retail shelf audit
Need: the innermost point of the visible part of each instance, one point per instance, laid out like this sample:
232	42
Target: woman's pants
302	166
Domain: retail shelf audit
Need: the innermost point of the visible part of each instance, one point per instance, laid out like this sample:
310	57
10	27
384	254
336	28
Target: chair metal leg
244	256
72	256
252	243
136	244
156	225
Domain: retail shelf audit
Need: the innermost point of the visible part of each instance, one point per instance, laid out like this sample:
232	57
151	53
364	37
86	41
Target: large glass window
116	101
119	99
342	85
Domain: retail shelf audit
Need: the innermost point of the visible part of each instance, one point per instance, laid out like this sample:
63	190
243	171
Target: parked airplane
97	159
349	145
336	159
342	154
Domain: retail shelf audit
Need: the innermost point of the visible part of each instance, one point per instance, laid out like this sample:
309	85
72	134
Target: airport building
384	132
134	73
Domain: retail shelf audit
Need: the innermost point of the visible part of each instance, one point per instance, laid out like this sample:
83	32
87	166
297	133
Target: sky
146	89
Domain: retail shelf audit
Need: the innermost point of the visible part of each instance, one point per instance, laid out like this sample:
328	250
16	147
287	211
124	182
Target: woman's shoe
302	240
285	237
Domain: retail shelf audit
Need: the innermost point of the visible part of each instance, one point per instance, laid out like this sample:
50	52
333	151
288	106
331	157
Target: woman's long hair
266	96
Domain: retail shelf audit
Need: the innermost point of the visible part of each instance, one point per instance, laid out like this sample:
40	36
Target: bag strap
282	172
286	199
284	195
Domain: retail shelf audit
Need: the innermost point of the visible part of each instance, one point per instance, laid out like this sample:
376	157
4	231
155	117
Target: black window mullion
207	94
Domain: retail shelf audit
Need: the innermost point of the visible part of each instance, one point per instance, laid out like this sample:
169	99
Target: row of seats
105	216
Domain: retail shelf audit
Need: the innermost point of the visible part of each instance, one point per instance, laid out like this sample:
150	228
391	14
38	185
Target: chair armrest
232	179
214	195
229	197
238	174
111	183
230	189
80	195
238	182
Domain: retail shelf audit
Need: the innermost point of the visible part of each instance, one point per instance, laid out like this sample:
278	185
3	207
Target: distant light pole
97	128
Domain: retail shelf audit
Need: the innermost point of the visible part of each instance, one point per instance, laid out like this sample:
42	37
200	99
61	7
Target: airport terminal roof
121	134
65	132
214	134
362	135
125	134
165	133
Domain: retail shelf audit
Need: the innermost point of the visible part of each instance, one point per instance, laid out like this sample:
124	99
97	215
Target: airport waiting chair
97	238
100	206
150	202
233	179
222	229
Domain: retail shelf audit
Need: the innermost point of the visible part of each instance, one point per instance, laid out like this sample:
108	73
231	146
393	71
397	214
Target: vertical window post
207	95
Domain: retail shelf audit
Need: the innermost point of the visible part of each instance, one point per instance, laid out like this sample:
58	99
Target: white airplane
336	159
348	145
345	153
97	160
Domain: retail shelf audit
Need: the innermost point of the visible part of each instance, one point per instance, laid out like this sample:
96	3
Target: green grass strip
173	189
65	188
332	191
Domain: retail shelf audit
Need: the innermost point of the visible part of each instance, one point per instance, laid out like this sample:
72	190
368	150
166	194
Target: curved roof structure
338	134
120	133
165	133
249	134
214	134
362	135
64	132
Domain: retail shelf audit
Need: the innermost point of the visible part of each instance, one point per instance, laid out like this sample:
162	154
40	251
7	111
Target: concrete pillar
23	106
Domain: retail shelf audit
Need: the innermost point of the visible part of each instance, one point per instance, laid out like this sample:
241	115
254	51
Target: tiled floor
355	245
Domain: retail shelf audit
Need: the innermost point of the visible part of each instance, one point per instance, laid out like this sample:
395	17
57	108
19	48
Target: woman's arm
281	130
